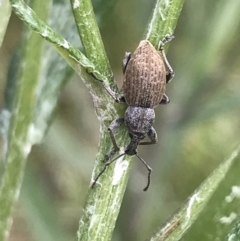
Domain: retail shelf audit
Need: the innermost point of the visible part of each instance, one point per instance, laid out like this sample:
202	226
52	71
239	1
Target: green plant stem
90	37
103	203
164	20
21	129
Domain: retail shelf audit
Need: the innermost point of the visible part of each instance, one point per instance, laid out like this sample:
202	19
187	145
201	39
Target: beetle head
139	120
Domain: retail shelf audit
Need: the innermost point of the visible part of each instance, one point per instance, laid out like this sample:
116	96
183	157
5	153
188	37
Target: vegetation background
196	131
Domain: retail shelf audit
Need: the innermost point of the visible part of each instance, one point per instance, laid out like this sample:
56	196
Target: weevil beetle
146	73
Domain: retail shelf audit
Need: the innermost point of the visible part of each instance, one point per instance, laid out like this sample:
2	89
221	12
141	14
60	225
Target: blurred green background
196	131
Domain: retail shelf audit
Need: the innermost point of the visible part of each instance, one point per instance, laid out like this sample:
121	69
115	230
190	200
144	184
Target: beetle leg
125	61
115	96
152	134
170	72
149	172
165	100
166	39
113	126
104	168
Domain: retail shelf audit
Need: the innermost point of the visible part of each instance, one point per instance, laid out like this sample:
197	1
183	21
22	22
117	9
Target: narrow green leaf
187	215
21	129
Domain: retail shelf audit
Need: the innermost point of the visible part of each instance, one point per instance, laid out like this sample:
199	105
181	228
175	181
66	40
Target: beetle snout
130	152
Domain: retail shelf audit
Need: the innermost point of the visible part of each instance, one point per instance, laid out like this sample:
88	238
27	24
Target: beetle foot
165	40
165	100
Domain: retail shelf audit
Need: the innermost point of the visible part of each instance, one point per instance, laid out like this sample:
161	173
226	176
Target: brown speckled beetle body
146	73
144	80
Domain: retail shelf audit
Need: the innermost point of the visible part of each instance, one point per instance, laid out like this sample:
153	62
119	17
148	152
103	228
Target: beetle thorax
139	120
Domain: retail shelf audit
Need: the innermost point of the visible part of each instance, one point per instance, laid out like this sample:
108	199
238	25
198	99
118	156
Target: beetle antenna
105	167
149	172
